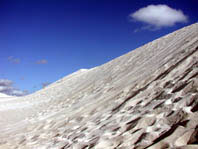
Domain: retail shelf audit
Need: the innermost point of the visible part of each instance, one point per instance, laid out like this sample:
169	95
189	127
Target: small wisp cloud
42	61
13	60
158	16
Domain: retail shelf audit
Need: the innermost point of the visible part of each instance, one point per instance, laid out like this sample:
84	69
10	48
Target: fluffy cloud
159	16
13	60
6	87
5	82
43	61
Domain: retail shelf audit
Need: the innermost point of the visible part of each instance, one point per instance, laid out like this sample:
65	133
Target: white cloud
158	16
43	61
5	82
13	60
6	87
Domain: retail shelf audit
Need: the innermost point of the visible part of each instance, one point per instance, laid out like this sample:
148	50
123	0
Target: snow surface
4	95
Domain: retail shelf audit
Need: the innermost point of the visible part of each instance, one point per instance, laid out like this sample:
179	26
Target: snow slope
146	98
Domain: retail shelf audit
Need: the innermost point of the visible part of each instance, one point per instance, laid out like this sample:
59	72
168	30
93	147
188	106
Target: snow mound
4	95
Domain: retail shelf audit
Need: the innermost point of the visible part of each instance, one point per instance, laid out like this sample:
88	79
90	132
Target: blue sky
43	41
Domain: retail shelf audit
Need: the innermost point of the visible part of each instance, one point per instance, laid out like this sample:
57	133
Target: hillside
147	98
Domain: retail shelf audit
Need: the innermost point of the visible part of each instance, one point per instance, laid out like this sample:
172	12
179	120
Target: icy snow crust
127	102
